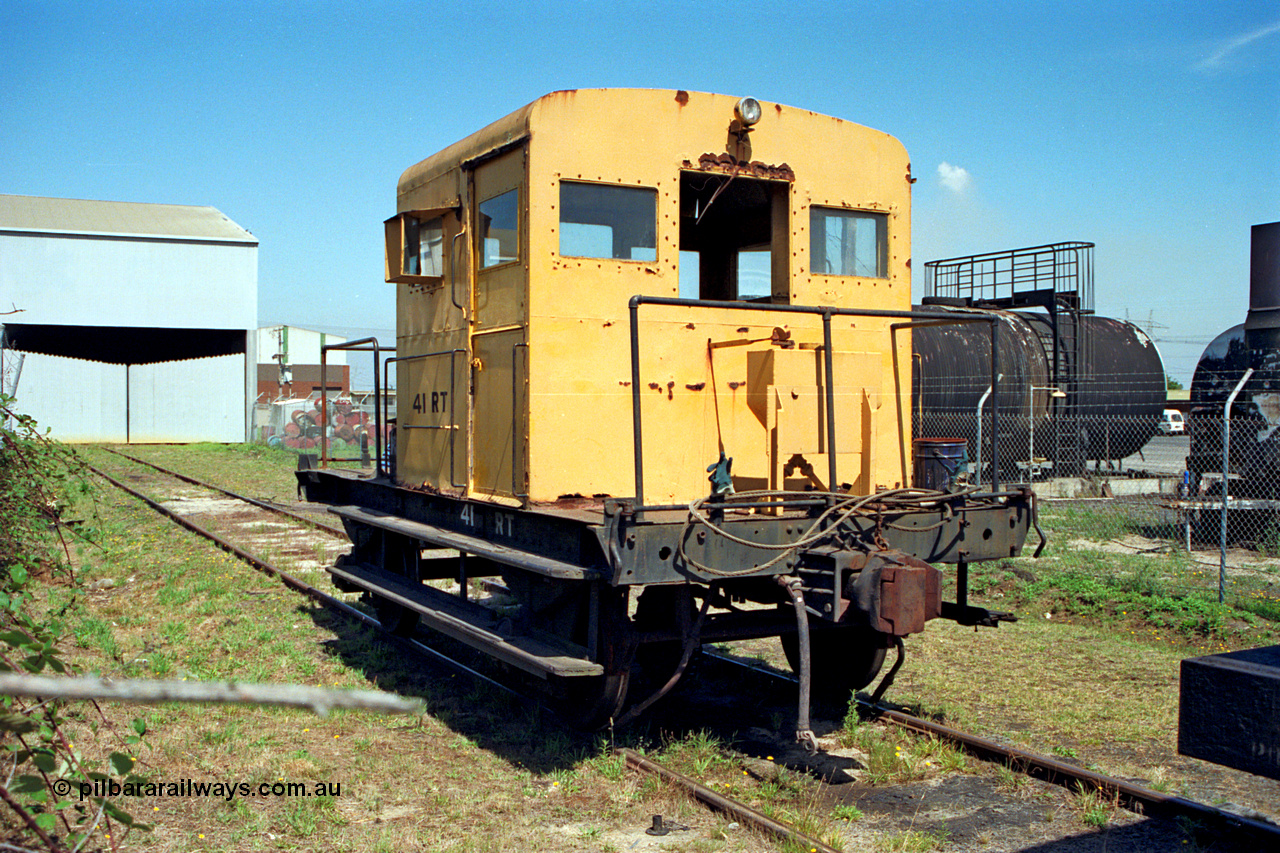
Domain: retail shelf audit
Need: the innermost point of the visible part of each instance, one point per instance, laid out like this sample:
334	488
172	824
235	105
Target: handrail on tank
931	317
356	346
1226	481
1066	267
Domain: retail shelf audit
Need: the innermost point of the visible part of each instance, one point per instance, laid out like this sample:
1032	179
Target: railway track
267	506
1133	797
294	549
319	535
177	510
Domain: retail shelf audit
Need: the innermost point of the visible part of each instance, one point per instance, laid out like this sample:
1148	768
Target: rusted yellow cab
516	253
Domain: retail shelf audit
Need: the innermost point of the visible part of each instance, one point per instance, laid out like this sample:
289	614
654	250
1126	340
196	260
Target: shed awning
123	344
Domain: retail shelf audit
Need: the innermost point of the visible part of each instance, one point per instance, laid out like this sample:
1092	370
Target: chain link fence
347	424
1128	500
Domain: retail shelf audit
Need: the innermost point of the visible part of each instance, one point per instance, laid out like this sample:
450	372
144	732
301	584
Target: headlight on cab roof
747	111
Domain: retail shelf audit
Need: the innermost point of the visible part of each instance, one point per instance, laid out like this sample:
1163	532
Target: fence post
1226	479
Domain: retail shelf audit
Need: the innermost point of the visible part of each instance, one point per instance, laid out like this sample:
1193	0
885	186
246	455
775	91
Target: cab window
734	238
423	242
849	242
608	221
500	229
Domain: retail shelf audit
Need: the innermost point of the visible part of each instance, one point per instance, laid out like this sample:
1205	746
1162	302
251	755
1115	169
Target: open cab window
734	238
849	242
415	247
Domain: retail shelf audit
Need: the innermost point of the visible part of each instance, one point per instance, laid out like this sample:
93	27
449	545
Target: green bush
44	769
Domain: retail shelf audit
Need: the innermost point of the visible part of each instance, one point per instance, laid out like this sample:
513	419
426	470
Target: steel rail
269	507
230	547
321	597
742	812
1135	798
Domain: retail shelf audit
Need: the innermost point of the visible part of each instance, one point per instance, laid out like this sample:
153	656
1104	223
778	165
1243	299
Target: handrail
1061	267
1226	481
826	312
523	497
357	346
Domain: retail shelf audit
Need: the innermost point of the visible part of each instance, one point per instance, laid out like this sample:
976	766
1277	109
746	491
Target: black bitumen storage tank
1255	416
1102	402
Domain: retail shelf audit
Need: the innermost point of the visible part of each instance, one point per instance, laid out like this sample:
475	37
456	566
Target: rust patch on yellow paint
727	164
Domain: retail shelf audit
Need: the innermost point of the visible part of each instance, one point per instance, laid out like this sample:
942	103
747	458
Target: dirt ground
984	808
972	682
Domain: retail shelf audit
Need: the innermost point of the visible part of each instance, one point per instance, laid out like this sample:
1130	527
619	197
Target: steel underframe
625	549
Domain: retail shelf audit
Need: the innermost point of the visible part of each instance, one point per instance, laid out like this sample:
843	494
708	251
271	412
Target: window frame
881	216
394	235
480	236
560	222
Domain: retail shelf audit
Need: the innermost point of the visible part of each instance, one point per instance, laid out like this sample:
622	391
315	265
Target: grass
909	841
1094	810
1170	594
894	757
478	772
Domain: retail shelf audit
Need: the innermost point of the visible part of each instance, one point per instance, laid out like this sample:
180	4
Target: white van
1171	423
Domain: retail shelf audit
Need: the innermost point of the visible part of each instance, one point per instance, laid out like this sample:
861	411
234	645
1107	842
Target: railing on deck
915	318
380	402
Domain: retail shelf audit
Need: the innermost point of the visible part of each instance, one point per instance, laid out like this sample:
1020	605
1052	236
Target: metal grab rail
355	346
1226	481
932	317
523	497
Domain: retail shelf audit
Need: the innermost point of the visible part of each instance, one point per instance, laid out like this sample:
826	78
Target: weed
1009	779
161	665
846	812
610	766
697	753
93	633
1094	810
565	781
39	479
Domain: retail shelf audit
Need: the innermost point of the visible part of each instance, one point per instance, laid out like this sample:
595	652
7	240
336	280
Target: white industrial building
128	322
296	345
289	363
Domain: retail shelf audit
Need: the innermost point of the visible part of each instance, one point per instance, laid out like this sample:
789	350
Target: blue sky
1150	129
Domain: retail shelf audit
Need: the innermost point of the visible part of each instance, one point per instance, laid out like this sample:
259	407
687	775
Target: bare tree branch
318	699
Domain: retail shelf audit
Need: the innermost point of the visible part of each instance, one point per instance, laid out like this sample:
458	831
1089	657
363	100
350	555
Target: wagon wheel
563	608
400	556
659	608
589	704
843	659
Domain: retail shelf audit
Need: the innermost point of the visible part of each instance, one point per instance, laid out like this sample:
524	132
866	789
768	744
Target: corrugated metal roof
118	218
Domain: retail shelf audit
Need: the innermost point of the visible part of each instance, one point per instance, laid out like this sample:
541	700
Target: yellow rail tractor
653	368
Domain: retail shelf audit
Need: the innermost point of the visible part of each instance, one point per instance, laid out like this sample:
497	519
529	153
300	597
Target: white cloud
954	178
1215	60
